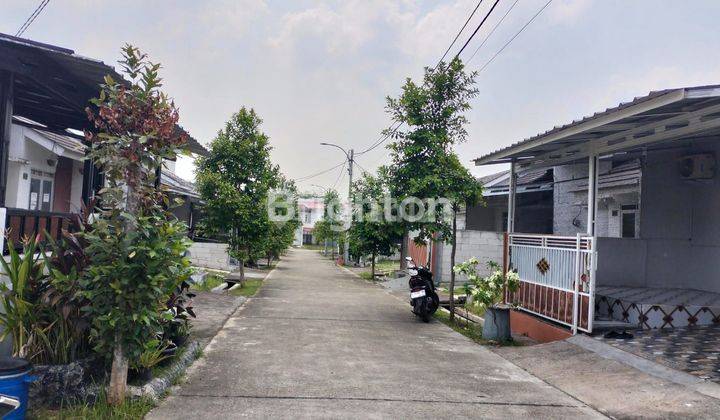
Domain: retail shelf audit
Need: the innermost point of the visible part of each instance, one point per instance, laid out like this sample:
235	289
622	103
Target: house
548	201
481	227
44	175
310	210
635	232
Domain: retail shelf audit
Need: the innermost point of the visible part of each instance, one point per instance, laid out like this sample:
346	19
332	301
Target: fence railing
557	277
20	223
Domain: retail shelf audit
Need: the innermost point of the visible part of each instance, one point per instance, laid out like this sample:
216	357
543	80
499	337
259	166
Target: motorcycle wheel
424	311
435	303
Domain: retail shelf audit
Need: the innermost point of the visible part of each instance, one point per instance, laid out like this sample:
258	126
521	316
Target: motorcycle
423	298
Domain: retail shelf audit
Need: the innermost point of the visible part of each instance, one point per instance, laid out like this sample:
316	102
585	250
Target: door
41	189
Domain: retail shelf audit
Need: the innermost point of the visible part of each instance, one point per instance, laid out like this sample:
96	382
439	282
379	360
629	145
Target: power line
392	130
477	29
459	32
305	178
492	31
32	17
514	36
340	176
361	168
382	138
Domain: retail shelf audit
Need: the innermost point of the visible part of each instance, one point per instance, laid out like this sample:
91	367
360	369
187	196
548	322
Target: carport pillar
511	198
593	169
6	113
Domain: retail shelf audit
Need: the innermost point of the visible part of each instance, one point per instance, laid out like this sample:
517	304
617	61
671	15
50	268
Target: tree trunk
373	266
403	251
119	370
241	263
269	260
118	374
452	265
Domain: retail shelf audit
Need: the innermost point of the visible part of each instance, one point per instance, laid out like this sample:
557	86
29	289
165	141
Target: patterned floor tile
690	349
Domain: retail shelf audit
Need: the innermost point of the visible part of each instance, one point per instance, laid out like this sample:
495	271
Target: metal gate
557	277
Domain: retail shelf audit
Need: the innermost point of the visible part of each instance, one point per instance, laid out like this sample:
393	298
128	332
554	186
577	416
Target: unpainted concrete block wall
210	255
483	245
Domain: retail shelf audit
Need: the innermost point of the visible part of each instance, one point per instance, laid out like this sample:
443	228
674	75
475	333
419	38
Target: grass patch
211	281
250	287
387	265
317	247
470	330
366	275
101	410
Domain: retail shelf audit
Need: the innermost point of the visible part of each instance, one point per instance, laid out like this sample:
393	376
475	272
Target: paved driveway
318	342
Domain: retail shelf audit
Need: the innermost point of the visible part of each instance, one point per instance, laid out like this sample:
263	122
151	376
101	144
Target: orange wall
529	325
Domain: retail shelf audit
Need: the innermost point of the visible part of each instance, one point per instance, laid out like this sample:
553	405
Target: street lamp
349	155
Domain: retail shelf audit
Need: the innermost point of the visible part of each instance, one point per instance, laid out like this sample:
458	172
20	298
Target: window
41	189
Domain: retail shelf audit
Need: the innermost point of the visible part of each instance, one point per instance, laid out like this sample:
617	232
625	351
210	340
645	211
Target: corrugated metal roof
178	185
53	85
653	107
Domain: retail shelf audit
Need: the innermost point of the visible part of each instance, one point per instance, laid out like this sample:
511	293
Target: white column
593	170
511	199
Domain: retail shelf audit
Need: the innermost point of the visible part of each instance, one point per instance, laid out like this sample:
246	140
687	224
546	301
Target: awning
53	85
689	112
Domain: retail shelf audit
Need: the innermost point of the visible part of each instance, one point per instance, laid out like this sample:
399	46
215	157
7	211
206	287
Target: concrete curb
158	386
711	389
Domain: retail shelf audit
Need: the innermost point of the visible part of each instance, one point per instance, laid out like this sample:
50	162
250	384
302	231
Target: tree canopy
234	180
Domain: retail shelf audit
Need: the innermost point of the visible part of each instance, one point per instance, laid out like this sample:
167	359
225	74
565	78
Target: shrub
486	291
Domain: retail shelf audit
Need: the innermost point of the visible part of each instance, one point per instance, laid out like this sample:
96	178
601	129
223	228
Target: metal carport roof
659	116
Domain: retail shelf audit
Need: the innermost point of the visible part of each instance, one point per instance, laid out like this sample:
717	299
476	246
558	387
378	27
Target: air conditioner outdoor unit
700	166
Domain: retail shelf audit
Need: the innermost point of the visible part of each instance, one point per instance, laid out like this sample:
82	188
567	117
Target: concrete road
317	342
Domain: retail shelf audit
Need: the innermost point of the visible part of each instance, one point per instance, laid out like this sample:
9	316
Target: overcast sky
320	70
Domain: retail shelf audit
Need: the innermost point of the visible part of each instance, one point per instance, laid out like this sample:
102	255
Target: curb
158	386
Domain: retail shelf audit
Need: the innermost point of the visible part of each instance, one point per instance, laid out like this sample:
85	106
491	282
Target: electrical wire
515	36
305	178
340	175
477	29
459	32
492	31
32	17
393	130
382	138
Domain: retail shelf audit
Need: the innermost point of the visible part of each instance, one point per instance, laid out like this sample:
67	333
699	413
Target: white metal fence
557	277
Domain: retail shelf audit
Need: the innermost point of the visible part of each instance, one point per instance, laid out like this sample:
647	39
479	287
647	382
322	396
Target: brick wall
210	255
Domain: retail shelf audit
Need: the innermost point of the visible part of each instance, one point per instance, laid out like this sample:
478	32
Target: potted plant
487	294
153	354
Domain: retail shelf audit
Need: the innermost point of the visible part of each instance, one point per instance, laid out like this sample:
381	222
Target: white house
310	210
635	235
45	170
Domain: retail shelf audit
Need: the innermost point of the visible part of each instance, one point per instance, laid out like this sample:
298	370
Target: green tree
330	226
135	246
284	207
234	180
370	231
424	164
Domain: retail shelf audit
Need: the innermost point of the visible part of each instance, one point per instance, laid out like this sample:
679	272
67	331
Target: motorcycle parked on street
423	298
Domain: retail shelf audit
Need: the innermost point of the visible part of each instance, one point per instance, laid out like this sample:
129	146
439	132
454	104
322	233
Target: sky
319	71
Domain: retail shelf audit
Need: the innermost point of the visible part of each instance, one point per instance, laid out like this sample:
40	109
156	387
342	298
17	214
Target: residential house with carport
635	229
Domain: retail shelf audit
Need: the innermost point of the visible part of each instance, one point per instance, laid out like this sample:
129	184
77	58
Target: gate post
576	285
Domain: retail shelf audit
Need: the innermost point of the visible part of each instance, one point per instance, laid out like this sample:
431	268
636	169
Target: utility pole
351	155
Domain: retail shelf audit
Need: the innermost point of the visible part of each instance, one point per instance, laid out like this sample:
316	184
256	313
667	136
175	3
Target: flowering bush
487	291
